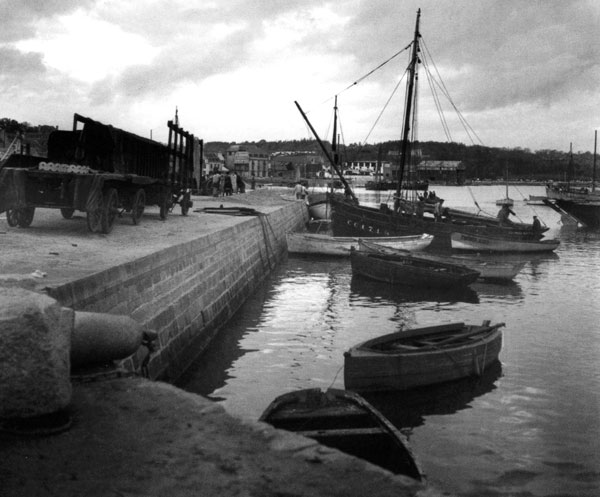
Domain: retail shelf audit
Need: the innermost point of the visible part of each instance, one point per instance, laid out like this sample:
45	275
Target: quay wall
187	292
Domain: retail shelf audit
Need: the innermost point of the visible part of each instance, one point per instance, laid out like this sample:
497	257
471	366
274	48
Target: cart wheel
67	213
94	220
11	217
25	216
137	206
110	210
164	207
186	203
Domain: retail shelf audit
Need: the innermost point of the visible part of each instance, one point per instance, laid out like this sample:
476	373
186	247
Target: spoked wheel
138	205
67	213
25	216
110	210
94	213
186	203
11	217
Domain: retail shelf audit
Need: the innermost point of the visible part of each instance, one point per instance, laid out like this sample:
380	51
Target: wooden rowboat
410	270
480	243
316	243
487	269
345	421
422	356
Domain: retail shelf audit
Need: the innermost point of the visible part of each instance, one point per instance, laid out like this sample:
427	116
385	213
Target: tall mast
347	188
594	169
408	110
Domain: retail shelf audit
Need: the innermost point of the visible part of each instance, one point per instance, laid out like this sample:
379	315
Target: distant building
296	166
448	172
213	161
260	164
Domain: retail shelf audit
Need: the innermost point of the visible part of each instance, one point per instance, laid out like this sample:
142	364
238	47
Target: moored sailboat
408	215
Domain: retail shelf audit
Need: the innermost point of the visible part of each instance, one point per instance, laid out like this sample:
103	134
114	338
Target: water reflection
506	291
409	409
376	291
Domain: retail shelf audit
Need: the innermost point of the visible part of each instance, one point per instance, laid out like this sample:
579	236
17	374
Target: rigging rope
439	82
377	68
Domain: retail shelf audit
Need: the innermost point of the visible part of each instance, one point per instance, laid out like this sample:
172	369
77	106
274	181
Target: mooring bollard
35	344
40	343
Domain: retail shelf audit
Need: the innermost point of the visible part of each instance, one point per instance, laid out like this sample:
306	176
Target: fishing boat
410	270
345	421
580	202
406	216
496	270
481	243
422	356
316	243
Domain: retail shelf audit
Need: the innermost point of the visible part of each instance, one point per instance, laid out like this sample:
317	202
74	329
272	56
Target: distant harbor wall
188	292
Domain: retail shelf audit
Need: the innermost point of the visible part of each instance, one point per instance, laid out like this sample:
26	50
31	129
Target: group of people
504	218
223	183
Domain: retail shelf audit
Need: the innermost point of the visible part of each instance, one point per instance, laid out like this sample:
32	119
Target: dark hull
587	213
347	422
350	219
410	271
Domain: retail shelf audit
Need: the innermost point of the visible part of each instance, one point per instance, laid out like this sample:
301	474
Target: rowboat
410	270
481	243
317	243
345	421
422	356
487	269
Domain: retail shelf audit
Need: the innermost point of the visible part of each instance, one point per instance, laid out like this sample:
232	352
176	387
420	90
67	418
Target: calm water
529	427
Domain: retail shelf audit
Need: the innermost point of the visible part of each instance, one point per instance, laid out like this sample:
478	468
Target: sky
522	73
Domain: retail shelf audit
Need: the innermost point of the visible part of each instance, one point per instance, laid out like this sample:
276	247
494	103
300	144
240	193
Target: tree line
480	161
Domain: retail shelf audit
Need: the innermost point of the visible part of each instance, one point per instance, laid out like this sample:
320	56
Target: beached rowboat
422	356
347	422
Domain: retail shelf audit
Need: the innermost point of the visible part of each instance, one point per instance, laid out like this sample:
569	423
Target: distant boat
487	269
345	421
580	202
422	356
315	243
536	200
409	270
506	200
480	243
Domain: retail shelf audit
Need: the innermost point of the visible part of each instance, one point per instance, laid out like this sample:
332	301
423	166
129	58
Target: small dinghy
422	356
345	421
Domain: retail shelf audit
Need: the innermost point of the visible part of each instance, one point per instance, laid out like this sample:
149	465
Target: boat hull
350	219
318	244
345	421
369	370
478	243
487	269
586	212
410	271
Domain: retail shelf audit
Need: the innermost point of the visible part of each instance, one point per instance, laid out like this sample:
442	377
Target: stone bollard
101	338
35	343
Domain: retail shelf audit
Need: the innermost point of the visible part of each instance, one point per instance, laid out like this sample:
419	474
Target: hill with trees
480	161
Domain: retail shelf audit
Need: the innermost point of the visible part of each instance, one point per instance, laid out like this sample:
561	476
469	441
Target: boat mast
594	168
331	160
408	110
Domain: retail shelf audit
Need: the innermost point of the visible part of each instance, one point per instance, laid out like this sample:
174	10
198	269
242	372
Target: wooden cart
104	172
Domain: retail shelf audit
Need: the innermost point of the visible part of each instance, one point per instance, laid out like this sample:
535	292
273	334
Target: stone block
35	340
